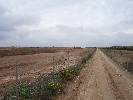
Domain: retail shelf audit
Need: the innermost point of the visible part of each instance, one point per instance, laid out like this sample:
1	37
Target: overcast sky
66	22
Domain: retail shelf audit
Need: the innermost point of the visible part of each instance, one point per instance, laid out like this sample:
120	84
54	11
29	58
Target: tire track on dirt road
121	80
103	89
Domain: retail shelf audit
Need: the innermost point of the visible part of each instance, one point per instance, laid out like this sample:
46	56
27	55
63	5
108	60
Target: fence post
68	52
53	65
17	82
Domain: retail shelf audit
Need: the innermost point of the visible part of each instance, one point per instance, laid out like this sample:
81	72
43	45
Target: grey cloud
2	10
72	36
7	36
91	37
66	22
9	21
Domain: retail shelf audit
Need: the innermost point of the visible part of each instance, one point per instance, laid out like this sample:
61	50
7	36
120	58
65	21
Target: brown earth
30	67
101	79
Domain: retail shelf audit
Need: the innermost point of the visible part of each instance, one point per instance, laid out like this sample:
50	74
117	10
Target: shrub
49	86
69	74
23	90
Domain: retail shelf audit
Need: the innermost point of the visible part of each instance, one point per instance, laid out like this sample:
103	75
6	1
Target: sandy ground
102	79
32	66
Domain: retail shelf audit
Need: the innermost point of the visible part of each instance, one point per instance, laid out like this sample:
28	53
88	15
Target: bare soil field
101	79
12	51
30	67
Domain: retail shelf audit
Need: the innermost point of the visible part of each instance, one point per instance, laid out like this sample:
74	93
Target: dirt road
102	79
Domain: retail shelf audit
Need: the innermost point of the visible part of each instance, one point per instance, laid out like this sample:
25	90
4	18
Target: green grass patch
23	90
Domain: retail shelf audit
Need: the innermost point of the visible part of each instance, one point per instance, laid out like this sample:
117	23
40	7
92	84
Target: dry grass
122	57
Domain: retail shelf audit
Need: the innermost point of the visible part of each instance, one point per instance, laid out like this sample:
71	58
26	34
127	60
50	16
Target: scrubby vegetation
47	86
23	89
120	48
122	56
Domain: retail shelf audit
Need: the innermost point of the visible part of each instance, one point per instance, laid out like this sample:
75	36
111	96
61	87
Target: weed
23	90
